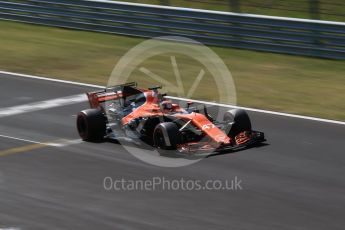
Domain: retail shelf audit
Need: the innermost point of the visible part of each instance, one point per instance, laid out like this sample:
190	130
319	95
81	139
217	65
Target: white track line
10	228
49	79
261	111
63	143
40	105
20	139
57	143
184	99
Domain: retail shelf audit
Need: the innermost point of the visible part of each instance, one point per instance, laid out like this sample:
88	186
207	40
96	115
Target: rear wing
109	93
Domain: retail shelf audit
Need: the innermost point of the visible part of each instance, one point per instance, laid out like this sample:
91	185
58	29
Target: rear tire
91	125
240	119
167	136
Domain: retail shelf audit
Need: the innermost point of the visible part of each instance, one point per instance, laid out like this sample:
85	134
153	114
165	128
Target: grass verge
285	83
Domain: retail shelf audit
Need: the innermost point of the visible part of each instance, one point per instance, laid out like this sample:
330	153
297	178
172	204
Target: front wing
242	141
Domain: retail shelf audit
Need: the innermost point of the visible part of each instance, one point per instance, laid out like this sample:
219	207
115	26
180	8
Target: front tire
167	136
91	125
240	122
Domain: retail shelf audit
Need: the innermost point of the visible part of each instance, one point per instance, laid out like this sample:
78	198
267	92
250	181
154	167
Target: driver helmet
166	105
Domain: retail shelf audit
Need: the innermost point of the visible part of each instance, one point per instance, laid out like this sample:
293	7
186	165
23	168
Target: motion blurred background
275	81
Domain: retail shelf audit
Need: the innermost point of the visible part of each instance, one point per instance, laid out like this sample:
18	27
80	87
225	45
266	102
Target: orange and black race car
125	111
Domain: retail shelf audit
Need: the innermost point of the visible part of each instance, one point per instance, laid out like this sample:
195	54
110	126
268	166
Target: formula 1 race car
125	111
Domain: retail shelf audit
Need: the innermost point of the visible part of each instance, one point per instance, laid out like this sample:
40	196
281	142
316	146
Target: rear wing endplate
107	94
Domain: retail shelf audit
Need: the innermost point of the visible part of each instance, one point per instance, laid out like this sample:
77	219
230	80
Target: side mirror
189	103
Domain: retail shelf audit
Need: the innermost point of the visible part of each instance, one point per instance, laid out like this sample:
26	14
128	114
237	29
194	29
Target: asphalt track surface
295	182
